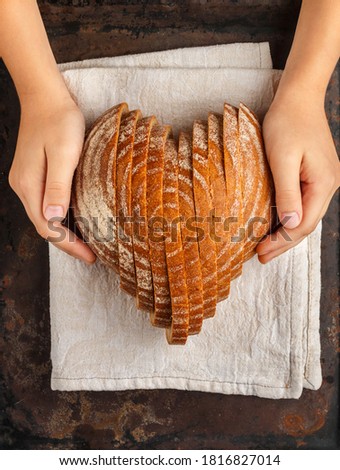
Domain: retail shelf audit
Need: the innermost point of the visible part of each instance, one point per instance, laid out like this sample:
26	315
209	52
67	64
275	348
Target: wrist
299	90
48	95
49	85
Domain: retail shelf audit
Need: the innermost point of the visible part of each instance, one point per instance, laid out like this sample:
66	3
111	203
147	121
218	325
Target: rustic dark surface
34	417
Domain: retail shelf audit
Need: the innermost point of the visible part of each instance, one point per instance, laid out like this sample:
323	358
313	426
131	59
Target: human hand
305	168
49	144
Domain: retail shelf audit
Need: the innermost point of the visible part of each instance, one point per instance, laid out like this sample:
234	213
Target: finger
287	246
284	246
286	174
315	204
53	230
58	184
64	239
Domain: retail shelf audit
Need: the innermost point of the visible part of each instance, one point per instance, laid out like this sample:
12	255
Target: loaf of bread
175	219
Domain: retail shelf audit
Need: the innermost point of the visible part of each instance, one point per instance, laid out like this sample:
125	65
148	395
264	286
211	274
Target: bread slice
144	293
203	208
189	234
233	168
258	189
219	200
108	167
161	315
177	333
123	201
93	195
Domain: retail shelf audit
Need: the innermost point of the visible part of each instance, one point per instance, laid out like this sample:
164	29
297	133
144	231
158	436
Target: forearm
26	51
315	49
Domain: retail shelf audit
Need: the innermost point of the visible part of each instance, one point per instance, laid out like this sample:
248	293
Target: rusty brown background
34	417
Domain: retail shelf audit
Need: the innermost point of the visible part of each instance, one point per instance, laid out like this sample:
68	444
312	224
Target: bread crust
189	234
177	333
161	314
93	195
219	201
144	292
203	209
123	201
258	191
233	167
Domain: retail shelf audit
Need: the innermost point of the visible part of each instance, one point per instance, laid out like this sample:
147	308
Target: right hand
49	145
304	164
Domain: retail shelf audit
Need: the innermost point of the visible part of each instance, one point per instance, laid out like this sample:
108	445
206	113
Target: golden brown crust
177	333
203	208
233	166
123	201
189	234
93	197
219	201
144	292
258	191
161	315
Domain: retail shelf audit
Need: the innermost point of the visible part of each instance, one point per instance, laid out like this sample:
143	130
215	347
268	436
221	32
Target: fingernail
53	211
290	219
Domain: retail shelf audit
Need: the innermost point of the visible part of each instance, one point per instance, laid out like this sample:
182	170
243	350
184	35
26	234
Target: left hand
305	168
50	140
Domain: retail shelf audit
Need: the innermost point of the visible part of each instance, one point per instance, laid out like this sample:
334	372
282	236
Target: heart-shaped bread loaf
175	219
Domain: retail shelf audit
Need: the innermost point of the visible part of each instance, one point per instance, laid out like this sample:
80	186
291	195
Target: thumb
57	187
288	191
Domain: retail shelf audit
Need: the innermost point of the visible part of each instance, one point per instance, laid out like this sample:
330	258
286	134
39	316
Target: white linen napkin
264	340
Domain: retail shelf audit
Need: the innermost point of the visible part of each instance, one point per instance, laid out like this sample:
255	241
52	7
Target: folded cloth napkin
264	339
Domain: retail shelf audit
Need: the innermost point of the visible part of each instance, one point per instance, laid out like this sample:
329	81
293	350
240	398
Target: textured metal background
34	417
